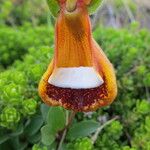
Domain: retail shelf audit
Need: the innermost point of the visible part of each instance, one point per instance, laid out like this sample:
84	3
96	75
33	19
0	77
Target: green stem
69	120
95	136
62	139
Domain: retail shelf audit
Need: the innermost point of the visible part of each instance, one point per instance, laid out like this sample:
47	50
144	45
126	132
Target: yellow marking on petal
71	5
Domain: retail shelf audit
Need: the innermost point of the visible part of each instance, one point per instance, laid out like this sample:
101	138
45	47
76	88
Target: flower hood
80	77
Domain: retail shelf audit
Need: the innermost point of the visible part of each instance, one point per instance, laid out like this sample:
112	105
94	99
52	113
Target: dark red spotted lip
76	99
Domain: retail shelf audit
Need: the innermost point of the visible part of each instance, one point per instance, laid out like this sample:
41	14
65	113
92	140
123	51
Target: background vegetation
26	48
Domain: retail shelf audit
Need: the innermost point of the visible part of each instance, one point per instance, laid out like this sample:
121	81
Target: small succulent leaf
82	129
94	5
56	118
44	110
53	7
48	136
34	125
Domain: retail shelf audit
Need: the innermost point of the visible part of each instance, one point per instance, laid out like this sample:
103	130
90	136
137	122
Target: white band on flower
76	78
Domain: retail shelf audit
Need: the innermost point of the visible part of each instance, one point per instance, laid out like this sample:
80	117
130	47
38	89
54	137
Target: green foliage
56	118
5	10
18	12
55	122
19	100
119	4
15	42
34	125
82	129
114	130
109	138
141	135
38	147
48	135
80	144
9	117
53	7
127	148
130	60
29	106
26	123
94	5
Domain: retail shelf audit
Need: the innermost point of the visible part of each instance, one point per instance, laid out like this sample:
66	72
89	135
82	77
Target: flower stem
95	136
69	120
62	139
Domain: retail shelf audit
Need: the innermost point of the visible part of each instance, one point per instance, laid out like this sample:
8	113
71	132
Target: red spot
76	99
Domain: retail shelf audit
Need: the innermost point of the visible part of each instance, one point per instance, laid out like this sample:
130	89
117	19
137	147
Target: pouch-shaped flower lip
80	77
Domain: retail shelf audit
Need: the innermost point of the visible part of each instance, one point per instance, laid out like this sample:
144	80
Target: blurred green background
121	27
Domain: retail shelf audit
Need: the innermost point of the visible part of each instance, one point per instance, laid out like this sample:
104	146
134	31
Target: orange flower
80	77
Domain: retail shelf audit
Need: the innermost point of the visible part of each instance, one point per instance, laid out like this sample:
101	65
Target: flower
80	77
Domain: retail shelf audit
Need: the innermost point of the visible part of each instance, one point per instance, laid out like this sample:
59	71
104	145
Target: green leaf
48	136
82	129
23	146
53	7
35	138
55	122
3	138
15	142
34	125
94	5
18	131
56	118
44	111
53	146
5	146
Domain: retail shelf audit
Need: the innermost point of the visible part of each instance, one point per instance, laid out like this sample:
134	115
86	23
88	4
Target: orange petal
73	33
76	49
104	67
